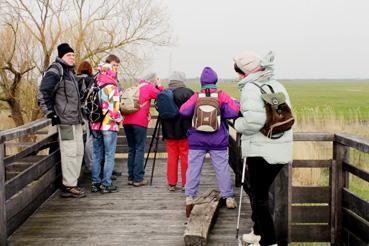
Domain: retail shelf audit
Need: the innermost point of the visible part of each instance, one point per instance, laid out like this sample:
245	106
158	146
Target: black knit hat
63	49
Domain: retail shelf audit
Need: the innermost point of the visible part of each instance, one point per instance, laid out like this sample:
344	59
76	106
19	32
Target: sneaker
108	189
141	183
251	238
171	187
231	203
130	182
74	192
183	189
113	177
95	188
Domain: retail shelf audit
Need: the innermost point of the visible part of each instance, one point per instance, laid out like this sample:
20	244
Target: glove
55	120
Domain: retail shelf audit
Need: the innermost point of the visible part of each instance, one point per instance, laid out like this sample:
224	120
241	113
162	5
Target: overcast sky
311	38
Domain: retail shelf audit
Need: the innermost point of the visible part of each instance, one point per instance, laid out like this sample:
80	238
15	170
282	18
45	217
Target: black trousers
261	176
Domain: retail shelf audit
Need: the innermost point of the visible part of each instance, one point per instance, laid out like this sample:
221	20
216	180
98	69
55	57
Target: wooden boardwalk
142	216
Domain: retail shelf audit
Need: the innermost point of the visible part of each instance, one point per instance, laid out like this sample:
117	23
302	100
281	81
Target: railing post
3	229
281	192
340	154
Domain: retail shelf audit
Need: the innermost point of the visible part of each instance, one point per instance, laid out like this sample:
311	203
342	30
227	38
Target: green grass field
319	98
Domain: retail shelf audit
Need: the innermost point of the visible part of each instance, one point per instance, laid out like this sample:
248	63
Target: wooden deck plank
149	215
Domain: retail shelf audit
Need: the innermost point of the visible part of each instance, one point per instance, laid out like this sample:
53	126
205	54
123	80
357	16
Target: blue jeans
104	142
136	138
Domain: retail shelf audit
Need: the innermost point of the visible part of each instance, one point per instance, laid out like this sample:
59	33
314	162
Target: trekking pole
240	203
155	151
151	142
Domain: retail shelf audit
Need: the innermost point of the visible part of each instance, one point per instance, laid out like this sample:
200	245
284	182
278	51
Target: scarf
209	86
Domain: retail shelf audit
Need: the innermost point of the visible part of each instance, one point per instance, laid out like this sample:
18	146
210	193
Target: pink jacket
142	116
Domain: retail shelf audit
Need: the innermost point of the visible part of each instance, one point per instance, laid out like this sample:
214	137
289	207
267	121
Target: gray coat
59	93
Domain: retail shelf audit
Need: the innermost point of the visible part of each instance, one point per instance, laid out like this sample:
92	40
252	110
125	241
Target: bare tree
13	66
43	19
34	28
123	27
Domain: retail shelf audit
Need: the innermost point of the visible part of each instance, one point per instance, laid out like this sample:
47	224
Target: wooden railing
27	178
330	213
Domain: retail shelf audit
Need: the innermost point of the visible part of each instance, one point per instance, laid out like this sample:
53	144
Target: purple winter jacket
229	110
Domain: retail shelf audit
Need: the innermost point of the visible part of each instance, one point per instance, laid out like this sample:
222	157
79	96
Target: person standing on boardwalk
135	127
265	155
215	143
59	98
105	133
85	79
175	132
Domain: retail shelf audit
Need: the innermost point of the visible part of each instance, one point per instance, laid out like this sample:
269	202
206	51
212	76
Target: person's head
66	53
152	78
247	63
85	68
113	60
177	79
208	77
177	76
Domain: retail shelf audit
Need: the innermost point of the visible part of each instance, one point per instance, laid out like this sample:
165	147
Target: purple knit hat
208	76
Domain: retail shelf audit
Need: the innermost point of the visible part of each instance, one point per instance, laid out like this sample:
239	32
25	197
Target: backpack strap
261	87
60	71
278	135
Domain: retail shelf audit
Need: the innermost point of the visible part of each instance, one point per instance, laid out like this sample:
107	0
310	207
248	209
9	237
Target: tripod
155	136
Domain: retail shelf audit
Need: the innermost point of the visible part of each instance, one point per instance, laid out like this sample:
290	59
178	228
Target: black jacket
59	93
177	128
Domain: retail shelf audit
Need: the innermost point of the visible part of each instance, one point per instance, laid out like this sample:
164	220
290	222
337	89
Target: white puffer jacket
253	142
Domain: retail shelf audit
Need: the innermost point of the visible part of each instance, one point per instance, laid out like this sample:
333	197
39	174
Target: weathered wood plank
312	163
355	225
16	221
280	191
310	233
349	239
23	198
356	171
354	203
310	214
340	154
3	228
235	161
310	194
353	141
313	136
332	202
23	130
202	217
10	174
32	173
45	143
149	215
124	149
18	166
